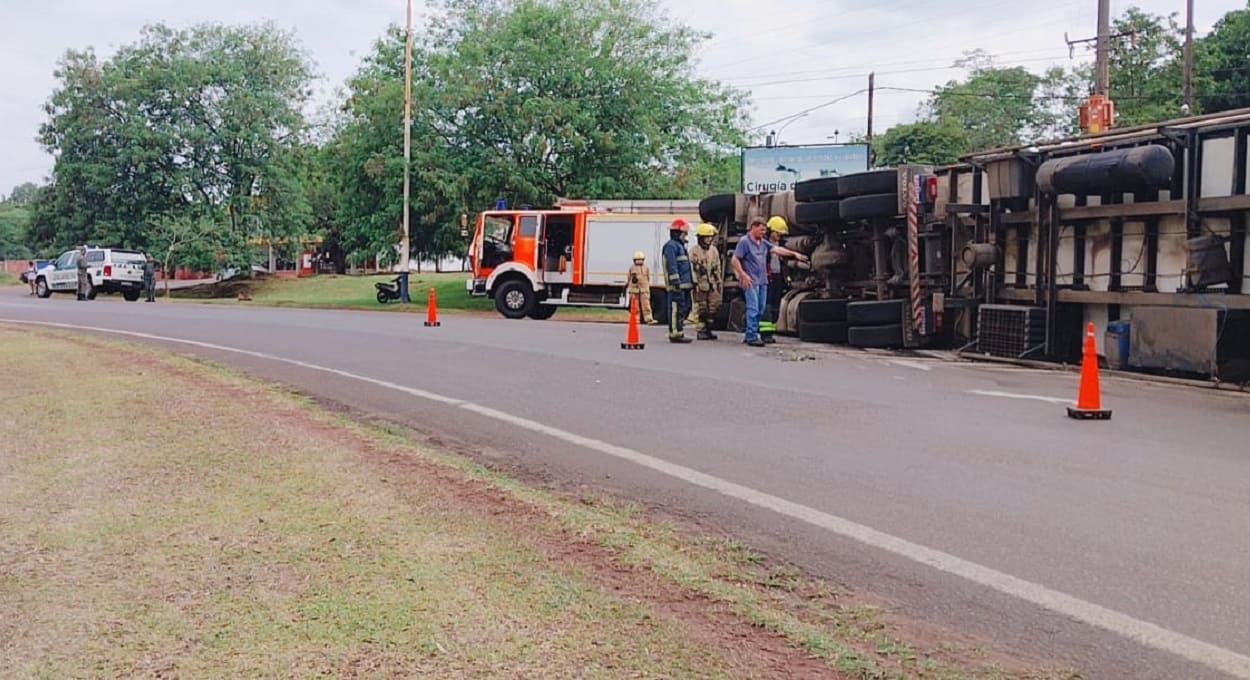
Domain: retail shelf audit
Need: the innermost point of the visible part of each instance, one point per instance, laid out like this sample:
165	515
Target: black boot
706	335
679	339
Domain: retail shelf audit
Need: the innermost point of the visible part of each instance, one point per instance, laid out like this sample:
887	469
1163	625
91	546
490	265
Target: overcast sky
792	56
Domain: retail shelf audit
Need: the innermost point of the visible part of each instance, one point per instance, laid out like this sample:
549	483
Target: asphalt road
958	493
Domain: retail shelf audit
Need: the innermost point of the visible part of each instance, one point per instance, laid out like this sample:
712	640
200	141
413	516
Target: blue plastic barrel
1116	344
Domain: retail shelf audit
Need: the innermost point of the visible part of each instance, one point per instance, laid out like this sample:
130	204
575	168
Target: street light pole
403	241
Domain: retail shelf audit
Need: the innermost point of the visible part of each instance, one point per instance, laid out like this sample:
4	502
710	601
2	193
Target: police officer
149	277
678	279
638	285
708	279
83	281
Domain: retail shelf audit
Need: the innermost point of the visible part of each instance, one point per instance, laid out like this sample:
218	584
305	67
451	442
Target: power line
804	112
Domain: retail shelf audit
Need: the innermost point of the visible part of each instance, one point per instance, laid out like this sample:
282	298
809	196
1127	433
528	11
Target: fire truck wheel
868	207
822	311
659	307
873	182
716	208
819	189
828	332
543	312
884	337
514	299
875	313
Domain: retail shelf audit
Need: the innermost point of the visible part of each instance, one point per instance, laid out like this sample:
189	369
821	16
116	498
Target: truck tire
871	182
659	307
819	189
868	206
41	288
827	332
91	289
737	319
882	337
822	311
514	299
131	295
817	212
716	208
543	312
875	313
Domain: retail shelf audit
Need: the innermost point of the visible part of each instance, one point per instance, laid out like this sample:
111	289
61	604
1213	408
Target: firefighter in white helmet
638	285
708	279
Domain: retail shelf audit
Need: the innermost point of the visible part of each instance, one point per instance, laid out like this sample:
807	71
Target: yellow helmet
705	229
639	256
778	224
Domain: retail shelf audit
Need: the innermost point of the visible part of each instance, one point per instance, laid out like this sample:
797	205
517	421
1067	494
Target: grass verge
210	525
357	292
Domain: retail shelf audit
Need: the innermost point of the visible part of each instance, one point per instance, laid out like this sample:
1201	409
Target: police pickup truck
109	270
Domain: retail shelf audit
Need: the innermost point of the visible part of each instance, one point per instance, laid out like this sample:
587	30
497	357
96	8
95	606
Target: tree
530	100
14	222
924	142
1223	63
993	107
180	240
187	123
23	194
1145	67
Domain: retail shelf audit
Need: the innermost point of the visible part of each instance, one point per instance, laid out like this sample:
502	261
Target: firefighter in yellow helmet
638	285
708	279
778	273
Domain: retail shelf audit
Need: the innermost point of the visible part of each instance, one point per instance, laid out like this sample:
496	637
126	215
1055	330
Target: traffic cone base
1088	396
431	311
631	334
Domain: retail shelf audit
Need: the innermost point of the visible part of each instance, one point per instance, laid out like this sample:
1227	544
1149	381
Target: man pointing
750	263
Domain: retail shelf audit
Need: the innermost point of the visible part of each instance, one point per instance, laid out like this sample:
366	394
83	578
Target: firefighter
678	279
639	286
778	273
83	280
708	279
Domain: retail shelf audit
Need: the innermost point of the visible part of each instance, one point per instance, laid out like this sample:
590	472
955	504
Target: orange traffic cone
631	335
431	310
1088	399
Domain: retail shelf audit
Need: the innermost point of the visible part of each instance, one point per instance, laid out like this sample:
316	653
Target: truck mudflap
475	287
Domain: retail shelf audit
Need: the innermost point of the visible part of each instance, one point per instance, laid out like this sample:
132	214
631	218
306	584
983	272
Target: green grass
7	279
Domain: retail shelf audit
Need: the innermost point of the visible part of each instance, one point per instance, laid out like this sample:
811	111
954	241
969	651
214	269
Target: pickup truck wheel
875	313
828	332
543	312
41	288
131	295
91	290
884	337
514	299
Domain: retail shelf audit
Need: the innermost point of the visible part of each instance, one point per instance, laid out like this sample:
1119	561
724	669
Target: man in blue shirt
750	263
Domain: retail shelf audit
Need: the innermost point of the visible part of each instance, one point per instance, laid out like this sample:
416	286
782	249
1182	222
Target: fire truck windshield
496	228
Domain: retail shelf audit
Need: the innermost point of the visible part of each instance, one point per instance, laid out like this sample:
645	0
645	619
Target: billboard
766	169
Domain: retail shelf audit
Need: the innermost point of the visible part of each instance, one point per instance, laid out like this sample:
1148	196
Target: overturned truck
1140	231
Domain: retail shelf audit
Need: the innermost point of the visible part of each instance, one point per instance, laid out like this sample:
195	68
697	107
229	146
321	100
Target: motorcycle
387	291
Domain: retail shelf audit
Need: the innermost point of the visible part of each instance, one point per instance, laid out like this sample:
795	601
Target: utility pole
403	241
1189	57
1102	66
872	86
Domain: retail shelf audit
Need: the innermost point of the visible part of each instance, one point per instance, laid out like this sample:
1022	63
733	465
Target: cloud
791	55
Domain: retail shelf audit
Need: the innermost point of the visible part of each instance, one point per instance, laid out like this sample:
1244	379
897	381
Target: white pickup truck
109	270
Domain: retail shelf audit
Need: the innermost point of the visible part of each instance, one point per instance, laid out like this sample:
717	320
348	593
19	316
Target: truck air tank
1142	168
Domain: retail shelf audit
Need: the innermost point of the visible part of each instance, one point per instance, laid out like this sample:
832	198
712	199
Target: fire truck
532	262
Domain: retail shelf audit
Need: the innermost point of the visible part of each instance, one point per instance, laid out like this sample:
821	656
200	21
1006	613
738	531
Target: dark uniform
84	282
149	278
680	282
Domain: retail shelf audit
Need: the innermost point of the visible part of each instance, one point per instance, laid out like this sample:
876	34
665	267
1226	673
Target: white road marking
919	366
1142	632
1013	395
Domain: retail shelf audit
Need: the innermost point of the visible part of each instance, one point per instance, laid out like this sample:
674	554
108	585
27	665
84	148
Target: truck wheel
872	182
41	288
828	332
875	313
822	311
514	299
131	295
716	208
818	212
884	337
868	206
819	189
543	312
736	321
91	290
659	307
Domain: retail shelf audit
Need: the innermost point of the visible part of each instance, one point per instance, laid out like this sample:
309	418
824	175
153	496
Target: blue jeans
756	297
